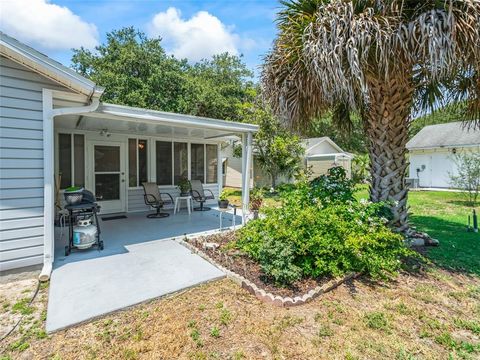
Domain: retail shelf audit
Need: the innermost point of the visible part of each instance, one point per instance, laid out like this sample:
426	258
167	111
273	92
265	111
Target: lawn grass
235	197
444	215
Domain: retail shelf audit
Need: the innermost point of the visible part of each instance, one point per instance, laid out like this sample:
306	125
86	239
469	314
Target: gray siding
136	203
21	165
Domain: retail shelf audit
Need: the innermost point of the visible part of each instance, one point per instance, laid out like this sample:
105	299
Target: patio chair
198	194
153	198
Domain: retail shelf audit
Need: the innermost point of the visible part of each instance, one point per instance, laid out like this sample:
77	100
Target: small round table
189	201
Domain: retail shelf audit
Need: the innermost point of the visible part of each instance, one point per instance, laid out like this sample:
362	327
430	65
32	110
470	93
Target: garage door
441	166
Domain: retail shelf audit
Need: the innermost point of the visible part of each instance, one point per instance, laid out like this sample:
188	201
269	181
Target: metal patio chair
153	197
198	194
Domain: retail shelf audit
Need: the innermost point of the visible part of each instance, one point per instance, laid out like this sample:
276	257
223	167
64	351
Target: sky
192	29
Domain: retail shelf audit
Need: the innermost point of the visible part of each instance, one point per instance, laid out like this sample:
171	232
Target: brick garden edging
267	297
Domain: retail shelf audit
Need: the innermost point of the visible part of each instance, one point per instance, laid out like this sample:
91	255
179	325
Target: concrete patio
140	261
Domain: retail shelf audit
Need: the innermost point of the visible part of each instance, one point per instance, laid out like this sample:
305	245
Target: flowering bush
334	187
310	237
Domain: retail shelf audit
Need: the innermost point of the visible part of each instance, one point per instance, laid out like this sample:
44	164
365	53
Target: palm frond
327	52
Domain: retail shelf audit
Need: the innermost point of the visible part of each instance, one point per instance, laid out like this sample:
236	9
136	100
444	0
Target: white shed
432	152
320	155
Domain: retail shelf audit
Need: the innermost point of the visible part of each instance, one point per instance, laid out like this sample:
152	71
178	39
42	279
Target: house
56	133
432	152
320	155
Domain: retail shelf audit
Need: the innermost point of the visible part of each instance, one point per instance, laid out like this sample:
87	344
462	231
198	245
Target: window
212	163
180	161
71	168
198	162
164	162
172	162
137	162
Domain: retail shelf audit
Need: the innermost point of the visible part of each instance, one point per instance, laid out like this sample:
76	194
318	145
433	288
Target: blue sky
191	29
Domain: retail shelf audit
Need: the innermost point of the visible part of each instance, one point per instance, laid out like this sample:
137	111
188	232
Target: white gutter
49	113
332	155
443	147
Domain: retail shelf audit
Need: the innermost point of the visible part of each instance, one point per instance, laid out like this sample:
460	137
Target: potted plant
73	195
184	186
256	201
223	200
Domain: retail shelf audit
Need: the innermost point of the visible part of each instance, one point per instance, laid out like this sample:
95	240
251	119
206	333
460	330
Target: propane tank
84	234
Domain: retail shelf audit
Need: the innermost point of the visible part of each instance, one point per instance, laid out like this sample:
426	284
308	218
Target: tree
449	113
467	177
136	71
219	87
381	59
279	151
351	139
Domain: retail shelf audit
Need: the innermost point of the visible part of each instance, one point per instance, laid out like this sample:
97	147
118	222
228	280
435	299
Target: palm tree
384	59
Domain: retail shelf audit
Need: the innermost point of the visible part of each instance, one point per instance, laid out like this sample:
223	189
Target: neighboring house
55	133
320	155
432	152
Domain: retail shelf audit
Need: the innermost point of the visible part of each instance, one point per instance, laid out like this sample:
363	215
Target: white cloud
199	37
46	25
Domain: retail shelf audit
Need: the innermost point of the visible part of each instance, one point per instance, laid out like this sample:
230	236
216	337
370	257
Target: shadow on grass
459	250
463	203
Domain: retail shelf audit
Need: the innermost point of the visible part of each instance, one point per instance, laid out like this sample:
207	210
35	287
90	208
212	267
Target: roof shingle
445	135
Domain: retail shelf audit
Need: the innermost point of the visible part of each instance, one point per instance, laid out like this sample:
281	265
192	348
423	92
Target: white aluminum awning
129	120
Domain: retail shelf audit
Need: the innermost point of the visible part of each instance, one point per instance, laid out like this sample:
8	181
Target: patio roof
131	120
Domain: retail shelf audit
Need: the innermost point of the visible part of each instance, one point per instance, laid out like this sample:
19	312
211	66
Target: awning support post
246	166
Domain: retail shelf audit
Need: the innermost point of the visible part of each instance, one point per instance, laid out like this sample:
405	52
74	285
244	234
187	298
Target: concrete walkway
82	290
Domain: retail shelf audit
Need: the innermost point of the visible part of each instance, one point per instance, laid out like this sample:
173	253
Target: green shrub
334	187
305	237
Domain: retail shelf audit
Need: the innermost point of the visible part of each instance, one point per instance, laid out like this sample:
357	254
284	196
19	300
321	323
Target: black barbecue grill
87	208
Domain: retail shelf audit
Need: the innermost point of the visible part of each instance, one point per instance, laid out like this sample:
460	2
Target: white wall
323	147
233	175
21	165
438	164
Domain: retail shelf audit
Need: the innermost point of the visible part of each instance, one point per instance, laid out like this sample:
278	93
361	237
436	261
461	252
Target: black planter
223	204
185	194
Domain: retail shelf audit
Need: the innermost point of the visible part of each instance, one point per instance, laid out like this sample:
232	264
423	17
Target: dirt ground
435	315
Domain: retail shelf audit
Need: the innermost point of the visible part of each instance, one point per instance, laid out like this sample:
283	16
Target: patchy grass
359	320
235	197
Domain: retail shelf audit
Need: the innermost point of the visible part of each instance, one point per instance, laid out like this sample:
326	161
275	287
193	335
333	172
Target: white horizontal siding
21	262
6	184
21	165
136	202
35	231
21	243
16	133
22	123
7	153
21	223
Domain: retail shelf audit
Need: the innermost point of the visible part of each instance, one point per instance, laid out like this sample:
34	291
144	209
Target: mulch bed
240	263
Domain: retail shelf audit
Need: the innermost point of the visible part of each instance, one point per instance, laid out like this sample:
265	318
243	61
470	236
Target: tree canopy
136	71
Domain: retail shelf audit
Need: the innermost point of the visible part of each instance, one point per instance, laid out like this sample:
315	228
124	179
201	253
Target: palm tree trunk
274	179
386	125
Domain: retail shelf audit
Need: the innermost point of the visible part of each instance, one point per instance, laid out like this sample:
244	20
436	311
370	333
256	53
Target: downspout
49	114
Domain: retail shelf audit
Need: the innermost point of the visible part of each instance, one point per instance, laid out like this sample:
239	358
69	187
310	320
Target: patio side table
178	200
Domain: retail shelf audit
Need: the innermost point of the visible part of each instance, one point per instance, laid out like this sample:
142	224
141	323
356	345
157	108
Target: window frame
189	143
72	156
148	142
